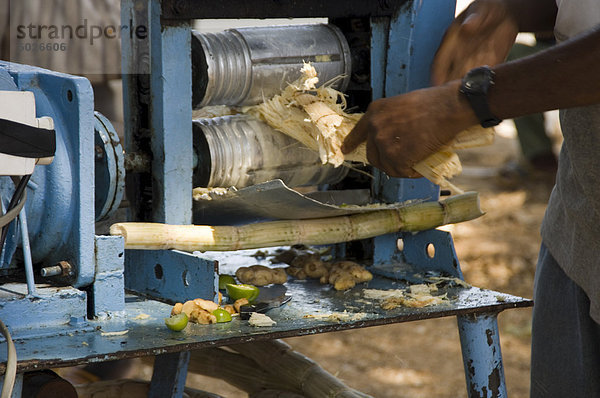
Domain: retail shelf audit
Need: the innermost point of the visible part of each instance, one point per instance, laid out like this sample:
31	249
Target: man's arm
403	130
563	76
484	33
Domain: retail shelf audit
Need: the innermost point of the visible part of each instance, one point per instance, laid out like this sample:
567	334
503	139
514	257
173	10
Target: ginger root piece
239	303
315	269
229	308
343	282
356	270
305	258
344	275
177	309
296	272
286	256
194	308
306	265
260	275
206	305
203	317
188	307
201	311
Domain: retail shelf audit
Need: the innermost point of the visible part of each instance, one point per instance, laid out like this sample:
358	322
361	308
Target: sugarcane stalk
275	394
126	388
237	370
321	231
297	370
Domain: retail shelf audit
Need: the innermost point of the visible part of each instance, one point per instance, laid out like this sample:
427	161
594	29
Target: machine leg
482	358
170	372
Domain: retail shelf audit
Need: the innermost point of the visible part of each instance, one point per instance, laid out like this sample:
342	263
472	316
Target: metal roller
241	151
245	66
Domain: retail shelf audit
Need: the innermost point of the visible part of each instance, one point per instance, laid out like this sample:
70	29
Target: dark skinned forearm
564	76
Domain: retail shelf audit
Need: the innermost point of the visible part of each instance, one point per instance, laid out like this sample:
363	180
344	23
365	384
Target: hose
10	373
12	214
17	199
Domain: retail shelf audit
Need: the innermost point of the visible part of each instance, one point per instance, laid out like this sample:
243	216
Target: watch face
478	80
473	83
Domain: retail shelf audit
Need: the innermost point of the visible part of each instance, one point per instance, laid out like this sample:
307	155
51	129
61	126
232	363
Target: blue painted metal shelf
314	308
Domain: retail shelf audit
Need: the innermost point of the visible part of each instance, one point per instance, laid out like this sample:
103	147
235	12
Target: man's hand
401	131
483	34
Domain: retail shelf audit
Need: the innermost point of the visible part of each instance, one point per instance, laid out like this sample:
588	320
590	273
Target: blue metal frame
402	49
60	215
407	53
171	275
60	205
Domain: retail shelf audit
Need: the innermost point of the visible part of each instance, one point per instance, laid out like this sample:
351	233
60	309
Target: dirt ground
423	359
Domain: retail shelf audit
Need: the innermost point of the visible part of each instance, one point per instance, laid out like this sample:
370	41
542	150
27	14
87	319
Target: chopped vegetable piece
177	322
224	280
222	315
239	291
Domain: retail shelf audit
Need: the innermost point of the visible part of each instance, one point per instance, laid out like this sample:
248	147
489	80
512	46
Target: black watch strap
475	86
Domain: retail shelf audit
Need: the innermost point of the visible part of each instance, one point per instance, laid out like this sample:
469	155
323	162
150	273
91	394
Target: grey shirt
571	226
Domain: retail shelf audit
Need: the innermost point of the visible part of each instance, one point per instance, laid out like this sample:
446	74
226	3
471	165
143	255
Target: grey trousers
565	347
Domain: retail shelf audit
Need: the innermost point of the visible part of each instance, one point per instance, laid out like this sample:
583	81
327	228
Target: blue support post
414	36
171	118
482	358
405	44
172	163
108	292
169	381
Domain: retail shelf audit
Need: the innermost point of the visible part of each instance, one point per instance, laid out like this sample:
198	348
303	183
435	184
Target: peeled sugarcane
411	218
316	117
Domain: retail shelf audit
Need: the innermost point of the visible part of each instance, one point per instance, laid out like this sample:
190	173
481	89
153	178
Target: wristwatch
475	86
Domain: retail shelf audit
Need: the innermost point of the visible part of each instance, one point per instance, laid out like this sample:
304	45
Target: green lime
177	322
222	315
224	280
236	292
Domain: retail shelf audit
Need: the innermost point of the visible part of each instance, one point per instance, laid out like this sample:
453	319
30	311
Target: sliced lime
222	315
224	280
177	322
236	292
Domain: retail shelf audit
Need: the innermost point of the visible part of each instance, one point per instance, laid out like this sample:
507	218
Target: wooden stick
410	218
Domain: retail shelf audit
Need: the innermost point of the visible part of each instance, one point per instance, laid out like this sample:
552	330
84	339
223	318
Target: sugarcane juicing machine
80	311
